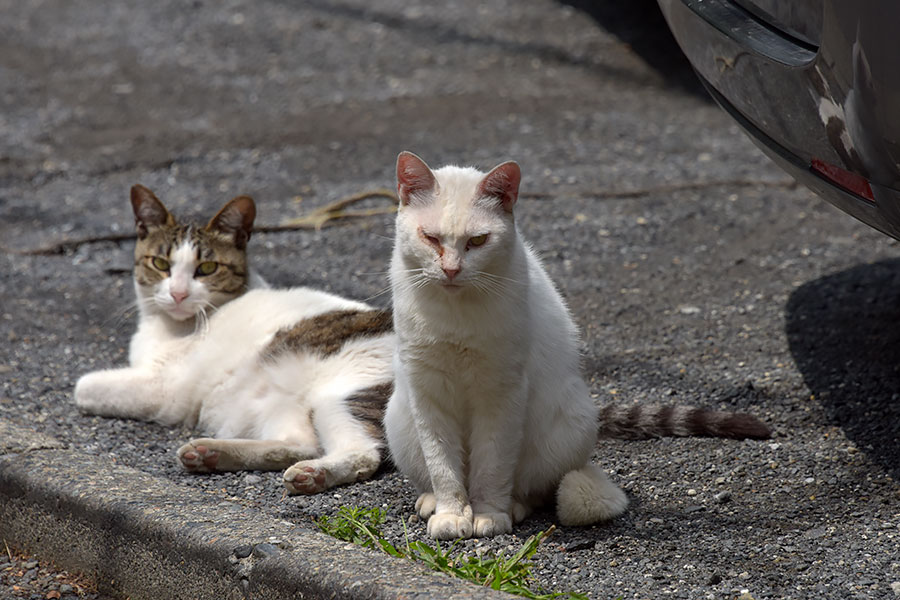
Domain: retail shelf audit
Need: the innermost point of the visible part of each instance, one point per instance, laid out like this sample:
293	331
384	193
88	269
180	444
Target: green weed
513	575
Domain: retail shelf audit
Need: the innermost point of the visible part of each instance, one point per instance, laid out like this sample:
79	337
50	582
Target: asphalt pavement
698	272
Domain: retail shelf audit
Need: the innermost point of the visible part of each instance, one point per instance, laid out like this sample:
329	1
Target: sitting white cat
291	379
490	416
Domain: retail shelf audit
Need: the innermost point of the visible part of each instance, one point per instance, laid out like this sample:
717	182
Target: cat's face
455	225
183	270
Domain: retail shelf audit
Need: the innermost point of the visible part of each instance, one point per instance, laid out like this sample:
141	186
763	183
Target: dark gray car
815	83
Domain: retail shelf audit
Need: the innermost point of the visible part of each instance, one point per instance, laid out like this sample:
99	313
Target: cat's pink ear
502	183
148	210
414	178
236	219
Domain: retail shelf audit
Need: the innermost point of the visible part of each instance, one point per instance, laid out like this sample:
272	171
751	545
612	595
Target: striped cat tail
656	420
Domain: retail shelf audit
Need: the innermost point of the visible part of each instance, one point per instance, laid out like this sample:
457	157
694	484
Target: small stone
744	575
66	589
722	497
720	480
243	551
252	479
896	588
692	492
714	579
656	521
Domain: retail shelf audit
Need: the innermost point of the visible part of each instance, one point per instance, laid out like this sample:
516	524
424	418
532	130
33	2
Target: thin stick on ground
315	219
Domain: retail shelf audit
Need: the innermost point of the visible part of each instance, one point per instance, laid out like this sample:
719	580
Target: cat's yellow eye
476	241
207	268
160	263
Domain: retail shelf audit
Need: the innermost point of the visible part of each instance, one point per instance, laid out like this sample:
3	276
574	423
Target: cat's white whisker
386	290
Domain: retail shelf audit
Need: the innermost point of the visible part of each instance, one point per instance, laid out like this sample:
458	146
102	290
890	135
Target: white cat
490	415
290	379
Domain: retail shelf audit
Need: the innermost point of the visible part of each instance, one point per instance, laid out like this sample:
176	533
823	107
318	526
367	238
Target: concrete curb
146	537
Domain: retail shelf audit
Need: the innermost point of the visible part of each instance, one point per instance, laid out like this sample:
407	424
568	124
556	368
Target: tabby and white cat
490	416
291	379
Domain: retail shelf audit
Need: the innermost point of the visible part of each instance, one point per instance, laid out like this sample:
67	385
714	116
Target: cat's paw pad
425	505
198	458
305	479
449	526
491	524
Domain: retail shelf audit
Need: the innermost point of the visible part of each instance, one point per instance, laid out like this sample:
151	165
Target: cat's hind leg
204	455
587	496
351	442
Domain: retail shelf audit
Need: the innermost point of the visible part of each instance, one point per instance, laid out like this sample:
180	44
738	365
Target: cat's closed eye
206	268
160	263
431	239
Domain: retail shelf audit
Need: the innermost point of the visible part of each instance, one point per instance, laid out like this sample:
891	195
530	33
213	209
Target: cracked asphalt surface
697	271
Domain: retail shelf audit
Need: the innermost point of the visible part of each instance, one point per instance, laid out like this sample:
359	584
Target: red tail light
856	184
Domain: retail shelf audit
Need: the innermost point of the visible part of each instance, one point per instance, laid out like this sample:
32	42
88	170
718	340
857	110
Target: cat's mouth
451	287
181	313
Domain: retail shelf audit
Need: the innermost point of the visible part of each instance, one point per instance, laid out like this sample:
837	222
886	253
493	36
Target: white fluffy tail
586	496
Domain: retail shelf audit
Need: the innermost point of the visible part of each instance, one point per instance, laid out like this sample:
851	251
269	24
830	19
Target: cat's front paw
449	526
90	394
491	524
425	505
305	478
197	457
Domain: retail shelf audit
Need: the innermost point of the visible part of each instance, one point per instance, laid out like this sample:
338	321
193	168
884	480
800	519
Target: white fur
489	411
272	413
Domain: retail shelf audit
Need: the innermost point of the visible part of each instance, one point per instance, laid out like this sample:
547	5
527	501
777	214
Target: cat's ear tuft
236	219
148	211
414	178
502	183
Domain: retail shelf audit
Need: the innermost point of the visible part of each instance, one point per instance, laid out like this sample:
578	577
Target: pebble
264	550
722	497
896	588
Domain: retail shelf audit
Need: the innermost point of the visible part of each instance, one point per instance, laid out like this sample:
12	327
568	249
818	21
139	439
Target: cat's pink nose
178	297
451	273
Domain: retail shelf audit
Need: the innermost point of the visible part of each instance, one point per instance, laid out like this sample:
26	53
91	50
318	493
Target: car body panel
838	102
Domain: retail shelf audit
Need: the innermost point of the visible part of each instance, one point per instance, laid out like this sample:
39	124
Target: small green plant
513	575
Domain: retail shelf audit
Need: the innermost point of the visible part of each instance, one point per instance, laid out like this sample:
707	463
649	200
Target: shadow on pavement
641	25
844	334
